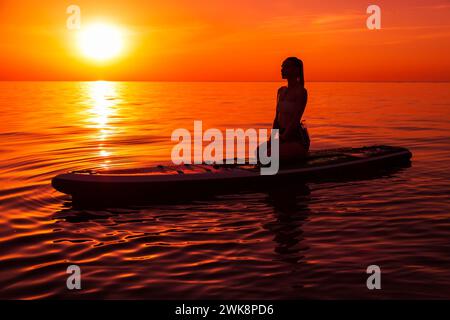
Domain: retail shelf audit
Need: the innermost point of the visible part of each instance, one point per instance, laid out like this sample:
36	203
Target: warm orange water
297	244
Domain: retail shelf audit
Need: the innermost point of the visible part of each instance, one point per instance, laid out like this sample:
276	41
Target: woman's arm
275	121
276	125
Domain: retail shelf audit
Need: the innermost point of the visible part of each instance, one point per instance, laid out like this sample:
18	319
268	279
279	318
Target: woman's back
290	107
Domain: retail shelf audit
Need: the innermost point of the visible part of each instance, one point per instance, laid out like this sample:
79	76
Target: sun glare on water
101	42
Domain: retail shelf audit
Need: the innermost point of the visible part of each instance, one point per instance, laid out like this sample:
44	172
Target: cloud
314	23
339	19
436	6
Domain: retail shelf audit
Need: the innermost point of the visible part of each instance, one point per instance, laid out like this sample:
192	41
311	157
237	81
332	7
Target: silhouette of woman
291	104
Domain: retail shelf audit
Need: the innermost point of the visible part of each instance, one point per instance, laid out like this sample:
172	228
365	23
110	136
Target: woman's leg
265	149
288	151
292	151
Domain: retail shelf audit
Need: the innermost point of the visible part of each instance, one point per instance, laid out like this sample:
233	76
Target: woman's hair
299	64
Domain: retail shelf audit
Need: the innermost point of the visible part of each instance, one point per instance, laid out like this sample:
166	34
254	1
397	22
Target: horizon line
225	81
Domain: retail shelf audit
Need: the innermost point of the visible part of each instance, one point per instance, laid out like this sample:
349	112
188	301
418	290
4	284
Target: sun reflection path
102	104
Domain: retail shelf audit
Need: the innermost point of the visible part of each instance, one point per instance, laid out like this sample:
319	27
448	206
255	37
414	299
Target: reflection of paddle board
173	181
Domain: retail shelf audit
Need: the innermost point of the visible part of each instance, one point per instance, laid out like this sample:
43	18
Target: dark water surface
308	241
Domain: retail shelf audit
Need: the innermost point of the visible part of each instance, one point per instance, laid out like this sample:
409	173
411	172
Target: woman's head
292	68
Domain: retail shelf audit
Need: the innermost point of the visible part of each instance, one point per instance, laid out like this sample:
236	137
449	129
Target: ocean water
314	241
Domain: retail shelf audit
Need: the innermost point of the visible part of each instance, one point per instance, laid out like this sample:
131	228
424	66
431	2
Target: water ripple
312	241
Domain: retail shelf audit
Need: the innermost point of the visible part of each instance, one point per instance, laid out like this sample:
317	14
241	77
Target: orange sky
227	40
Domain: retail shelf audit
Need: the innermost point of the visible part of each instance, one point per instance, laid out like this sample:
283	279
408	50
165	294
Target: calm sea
314	242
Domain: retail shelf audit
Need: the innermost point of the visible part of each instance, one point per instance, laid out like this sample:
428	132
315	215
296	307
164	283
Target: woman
291	103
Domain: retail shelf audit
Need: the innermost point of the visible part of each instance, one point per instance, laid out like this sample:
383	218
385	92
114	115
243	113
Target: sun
101	41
